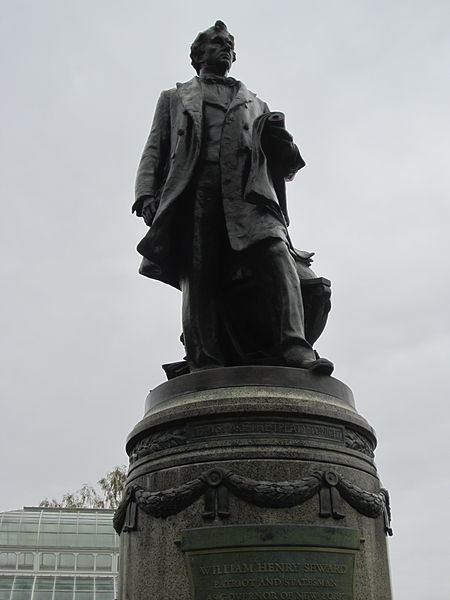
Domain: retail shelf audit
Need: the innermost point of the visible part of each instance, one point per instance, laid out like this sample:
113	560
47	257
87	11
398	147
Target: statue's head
213	48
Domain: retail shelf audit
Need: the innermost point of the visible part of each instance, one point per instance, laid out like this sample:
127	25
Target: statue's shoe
322	366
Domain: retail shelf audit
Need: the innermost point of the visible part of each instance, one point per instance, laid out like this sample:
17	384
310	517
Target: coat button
246	127
180	132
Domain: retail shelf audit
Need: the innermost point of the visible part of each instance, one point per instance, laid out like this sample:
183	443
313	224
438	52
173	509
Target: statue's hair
197	44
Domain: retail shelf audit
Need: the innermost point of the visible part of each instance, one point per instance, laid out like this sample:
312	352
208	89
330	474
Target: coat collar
192	99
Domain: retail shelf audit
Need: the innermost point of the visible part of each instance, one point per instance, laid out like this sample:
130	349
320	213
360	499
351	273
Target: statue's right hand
149	209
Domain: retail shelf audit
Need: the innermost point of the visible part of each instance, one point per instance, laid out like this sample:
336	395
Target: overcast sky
365	88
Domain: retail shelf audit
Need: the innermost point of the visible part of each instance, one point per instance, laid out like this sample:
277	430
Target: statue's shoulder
182	85
184	89
168	93
251	95
185	85
172	95
190	82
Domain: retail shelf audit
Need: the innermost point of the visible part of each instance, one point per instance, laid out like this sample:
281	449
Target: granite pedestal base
253	483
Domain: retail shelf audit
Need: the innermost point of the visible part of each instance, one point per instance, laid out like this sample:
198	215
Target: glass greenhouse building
58	554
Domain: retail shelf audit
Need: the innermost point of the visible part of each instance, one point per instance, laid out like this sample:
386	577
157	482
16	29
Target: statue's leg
203	247
275	270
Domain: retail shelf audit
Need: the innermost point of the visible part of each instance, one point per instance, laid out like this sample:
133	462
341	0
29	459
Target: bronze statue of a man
210	186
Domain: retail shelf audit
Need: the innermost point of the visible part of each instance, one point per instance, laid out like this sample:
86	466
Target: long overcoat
168	166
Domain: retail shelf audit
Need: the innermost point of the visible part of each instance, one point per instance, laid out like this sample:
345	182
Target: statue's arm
155	158
286	153
281	150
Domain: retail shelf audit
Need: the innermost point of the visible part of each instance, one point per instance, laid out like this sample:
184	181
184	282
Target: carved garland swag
216	484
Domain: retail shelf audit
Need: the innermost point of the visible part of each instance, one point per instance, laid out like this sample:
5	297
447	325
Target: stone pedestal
253	483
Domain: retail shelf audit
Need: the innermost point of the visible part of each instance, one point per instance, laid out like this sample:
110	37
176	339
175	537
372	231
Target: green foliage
109	495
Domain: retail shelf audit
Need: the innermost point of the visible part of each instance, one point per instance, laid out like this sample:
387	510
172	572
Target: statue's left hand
281	152
279	135
278	144
149	209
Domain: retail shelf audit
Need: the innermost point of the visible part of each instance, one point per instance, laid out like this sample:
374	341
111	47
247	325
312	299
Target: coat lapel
243	96
192	100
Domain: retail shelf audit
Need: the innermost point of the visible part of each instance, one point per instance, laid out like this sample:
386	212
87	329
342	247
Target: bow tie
218	79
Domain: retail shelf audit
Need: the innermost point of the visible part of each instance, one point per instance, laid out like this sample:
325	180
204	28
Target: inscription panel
256	427
267	570
280	574
301	431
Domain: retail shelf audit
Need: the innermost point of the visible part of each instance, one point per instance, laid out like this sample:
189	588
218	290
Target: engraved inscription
318	430
275	574
163	440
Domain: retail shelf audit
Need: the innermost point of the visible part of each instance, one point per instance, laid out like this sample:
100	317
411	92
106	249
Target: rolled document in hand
276	119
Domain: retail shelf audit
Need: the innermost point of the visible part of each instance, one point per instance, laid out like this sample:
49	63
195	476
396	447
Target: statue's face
218	52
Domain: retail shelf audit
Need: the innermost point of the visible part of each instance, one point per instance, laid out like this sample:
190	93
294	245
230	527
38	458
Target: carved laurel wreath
216	484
